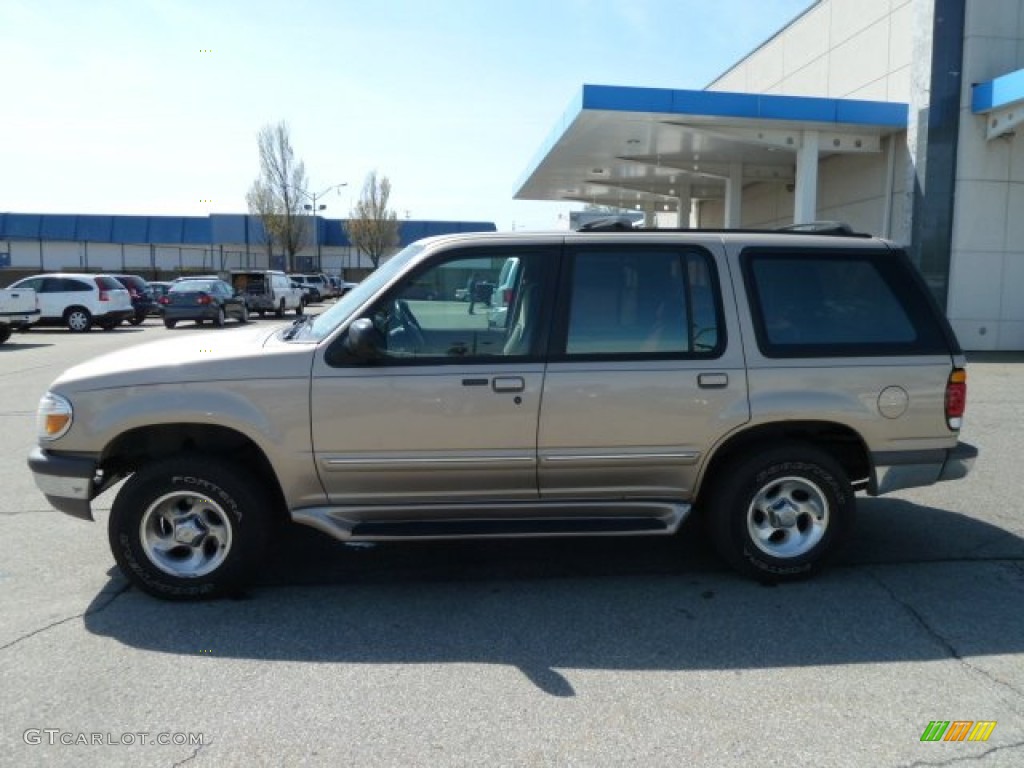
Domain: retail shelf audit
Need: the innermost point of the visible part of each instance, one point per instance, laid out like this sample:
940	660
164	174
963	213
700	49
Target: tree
261	203
276	195
372	227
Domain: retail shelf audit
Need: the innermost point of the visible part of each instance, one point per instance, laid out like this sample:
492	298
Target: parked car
504	293
328	286
19	309
142	298
202	300
760	379
309	286
268	290
79	301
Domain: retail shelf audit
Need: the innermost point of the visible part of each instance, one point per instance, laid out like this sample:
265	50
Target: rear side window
69	285
105	283
643	302
822	304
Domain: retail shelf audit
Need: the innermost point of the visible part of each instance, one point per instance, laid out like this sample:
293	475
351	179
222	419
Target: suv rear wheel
189	527
780	514
78	319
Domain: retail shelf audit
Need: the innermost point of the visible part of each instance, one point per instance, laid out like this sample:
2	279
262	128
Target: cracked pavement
591	653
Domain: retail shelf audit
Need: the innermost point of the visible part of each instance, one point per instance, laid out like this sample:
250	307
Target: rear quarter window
105	283
810	303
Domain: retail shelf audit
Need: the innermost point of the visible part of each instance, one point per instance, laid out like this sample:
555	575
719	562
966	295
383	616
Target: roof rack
821	228
608	224
625	224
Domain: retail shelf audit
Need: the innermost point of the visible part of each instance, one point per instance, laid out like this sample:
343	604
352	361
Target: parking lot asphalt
638	652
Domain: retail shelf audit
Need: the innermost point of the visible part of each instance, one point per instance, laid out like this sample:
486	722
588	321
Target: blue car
201	300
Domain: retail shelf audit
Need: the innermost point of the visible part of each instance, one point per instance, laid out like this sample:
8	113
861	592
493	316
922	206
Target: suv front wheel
189	527
779	515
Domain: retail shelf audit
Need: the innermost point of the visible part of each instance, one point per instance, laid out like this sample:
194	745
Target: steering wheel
410	323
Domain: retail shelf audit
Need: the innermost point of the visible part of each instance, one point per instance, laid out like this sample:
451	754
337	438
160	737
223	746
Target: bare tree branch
276	194
372	227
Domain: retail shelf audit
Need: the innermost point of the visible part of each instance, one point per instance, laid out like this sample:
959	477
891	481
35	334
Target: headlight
53	418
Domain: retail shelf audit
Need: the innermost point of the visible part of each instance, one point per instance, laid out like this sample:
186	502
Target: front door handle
713	380
508	384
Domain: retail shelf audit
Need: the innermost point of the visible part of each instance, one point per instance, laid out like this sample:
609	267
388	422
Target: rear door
646	372
450	409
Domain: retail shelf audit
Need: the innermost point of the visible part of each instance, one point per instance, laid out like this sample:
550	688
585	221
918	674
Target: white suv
80	300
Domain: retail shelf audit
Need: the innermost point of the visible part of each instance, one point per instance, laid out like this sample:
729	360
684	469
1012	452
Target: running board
508	520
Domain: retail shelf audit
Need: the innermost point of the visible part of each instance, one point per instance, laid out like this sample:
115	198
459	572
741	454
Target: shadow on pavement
917	584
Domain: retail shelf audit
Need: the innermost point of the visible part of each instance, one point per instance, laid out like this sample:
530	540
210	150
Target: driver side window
473	307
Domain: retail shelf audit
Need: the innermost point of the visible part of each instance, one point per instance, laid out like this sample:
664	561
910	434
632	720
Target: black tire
299	310
279	312
781	514
109	325
244	316
220	319
170	323
137	318
262	313
225	523
5	333
78	319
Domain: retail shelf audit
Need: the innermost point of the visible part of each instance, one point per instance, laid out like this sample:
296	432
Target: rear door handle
713	380
508	384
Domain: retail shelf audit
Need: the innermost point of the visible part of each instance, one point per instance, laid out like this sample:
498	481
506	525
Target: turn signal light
956	398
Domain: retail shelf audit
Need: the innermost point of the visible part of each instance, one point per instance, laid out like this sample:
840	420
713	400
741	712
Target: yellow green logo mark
958	730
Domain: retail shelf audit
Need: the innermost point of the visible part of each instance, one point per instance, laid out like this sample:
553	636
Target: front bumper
896	470
67	482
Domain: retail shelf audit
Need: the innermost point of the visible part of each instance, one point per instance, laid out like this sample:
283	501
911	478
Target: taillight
104	296
203	299
956	398
507	295
164	300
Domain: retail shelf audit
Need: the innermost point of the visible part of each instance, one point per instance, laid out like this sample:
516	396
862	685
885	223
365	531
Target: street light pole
313	211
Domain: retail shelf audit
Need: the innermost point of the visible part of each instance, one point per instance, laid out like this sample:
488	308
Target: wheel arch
140	446
839	441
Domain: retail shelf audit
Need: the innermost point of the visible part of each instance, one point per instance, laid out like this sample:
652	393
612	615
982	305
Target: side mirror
364	341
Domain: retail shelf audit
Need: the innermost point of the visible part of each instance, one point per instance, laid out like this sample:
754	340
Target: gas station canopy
650	147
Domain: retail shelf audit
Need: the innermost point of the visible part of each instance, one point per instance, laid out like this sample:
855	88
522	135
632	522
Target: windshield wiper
297	325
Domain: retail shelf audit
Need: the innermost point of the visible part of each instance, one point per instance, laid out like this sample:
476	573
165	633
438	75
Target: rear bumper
67	482
114	314
896	470
206	312
20	319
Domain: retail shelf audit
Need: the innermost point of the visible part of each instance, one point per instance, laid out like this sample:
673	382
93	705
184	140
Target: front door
449	410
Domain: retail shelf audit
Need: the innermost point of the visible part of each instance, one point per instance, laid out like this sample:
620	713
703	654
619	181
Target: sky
153	106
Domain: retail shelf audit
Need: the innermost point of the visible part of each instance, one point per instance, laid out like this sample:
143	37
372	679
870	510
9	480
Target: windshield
324	323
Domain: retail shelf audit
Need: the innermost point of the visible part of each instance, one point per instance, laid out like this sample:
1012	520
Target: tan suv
760	378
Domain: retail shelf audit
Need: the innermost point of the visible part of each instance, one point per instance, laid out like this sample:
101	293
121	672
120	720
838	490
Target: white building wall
986	294
76	256
841	49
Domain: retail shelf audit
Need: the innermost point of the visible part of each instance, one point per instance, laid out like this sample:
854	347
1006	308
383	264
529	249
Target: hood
212	356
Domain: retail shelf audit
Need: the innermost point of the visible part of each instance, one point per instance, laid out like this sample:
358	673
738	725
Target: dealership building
897	117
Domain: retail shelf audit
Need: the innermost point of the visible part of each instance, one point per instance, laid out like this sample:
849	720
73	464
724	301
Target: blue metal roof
194	230
998	93
754	106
